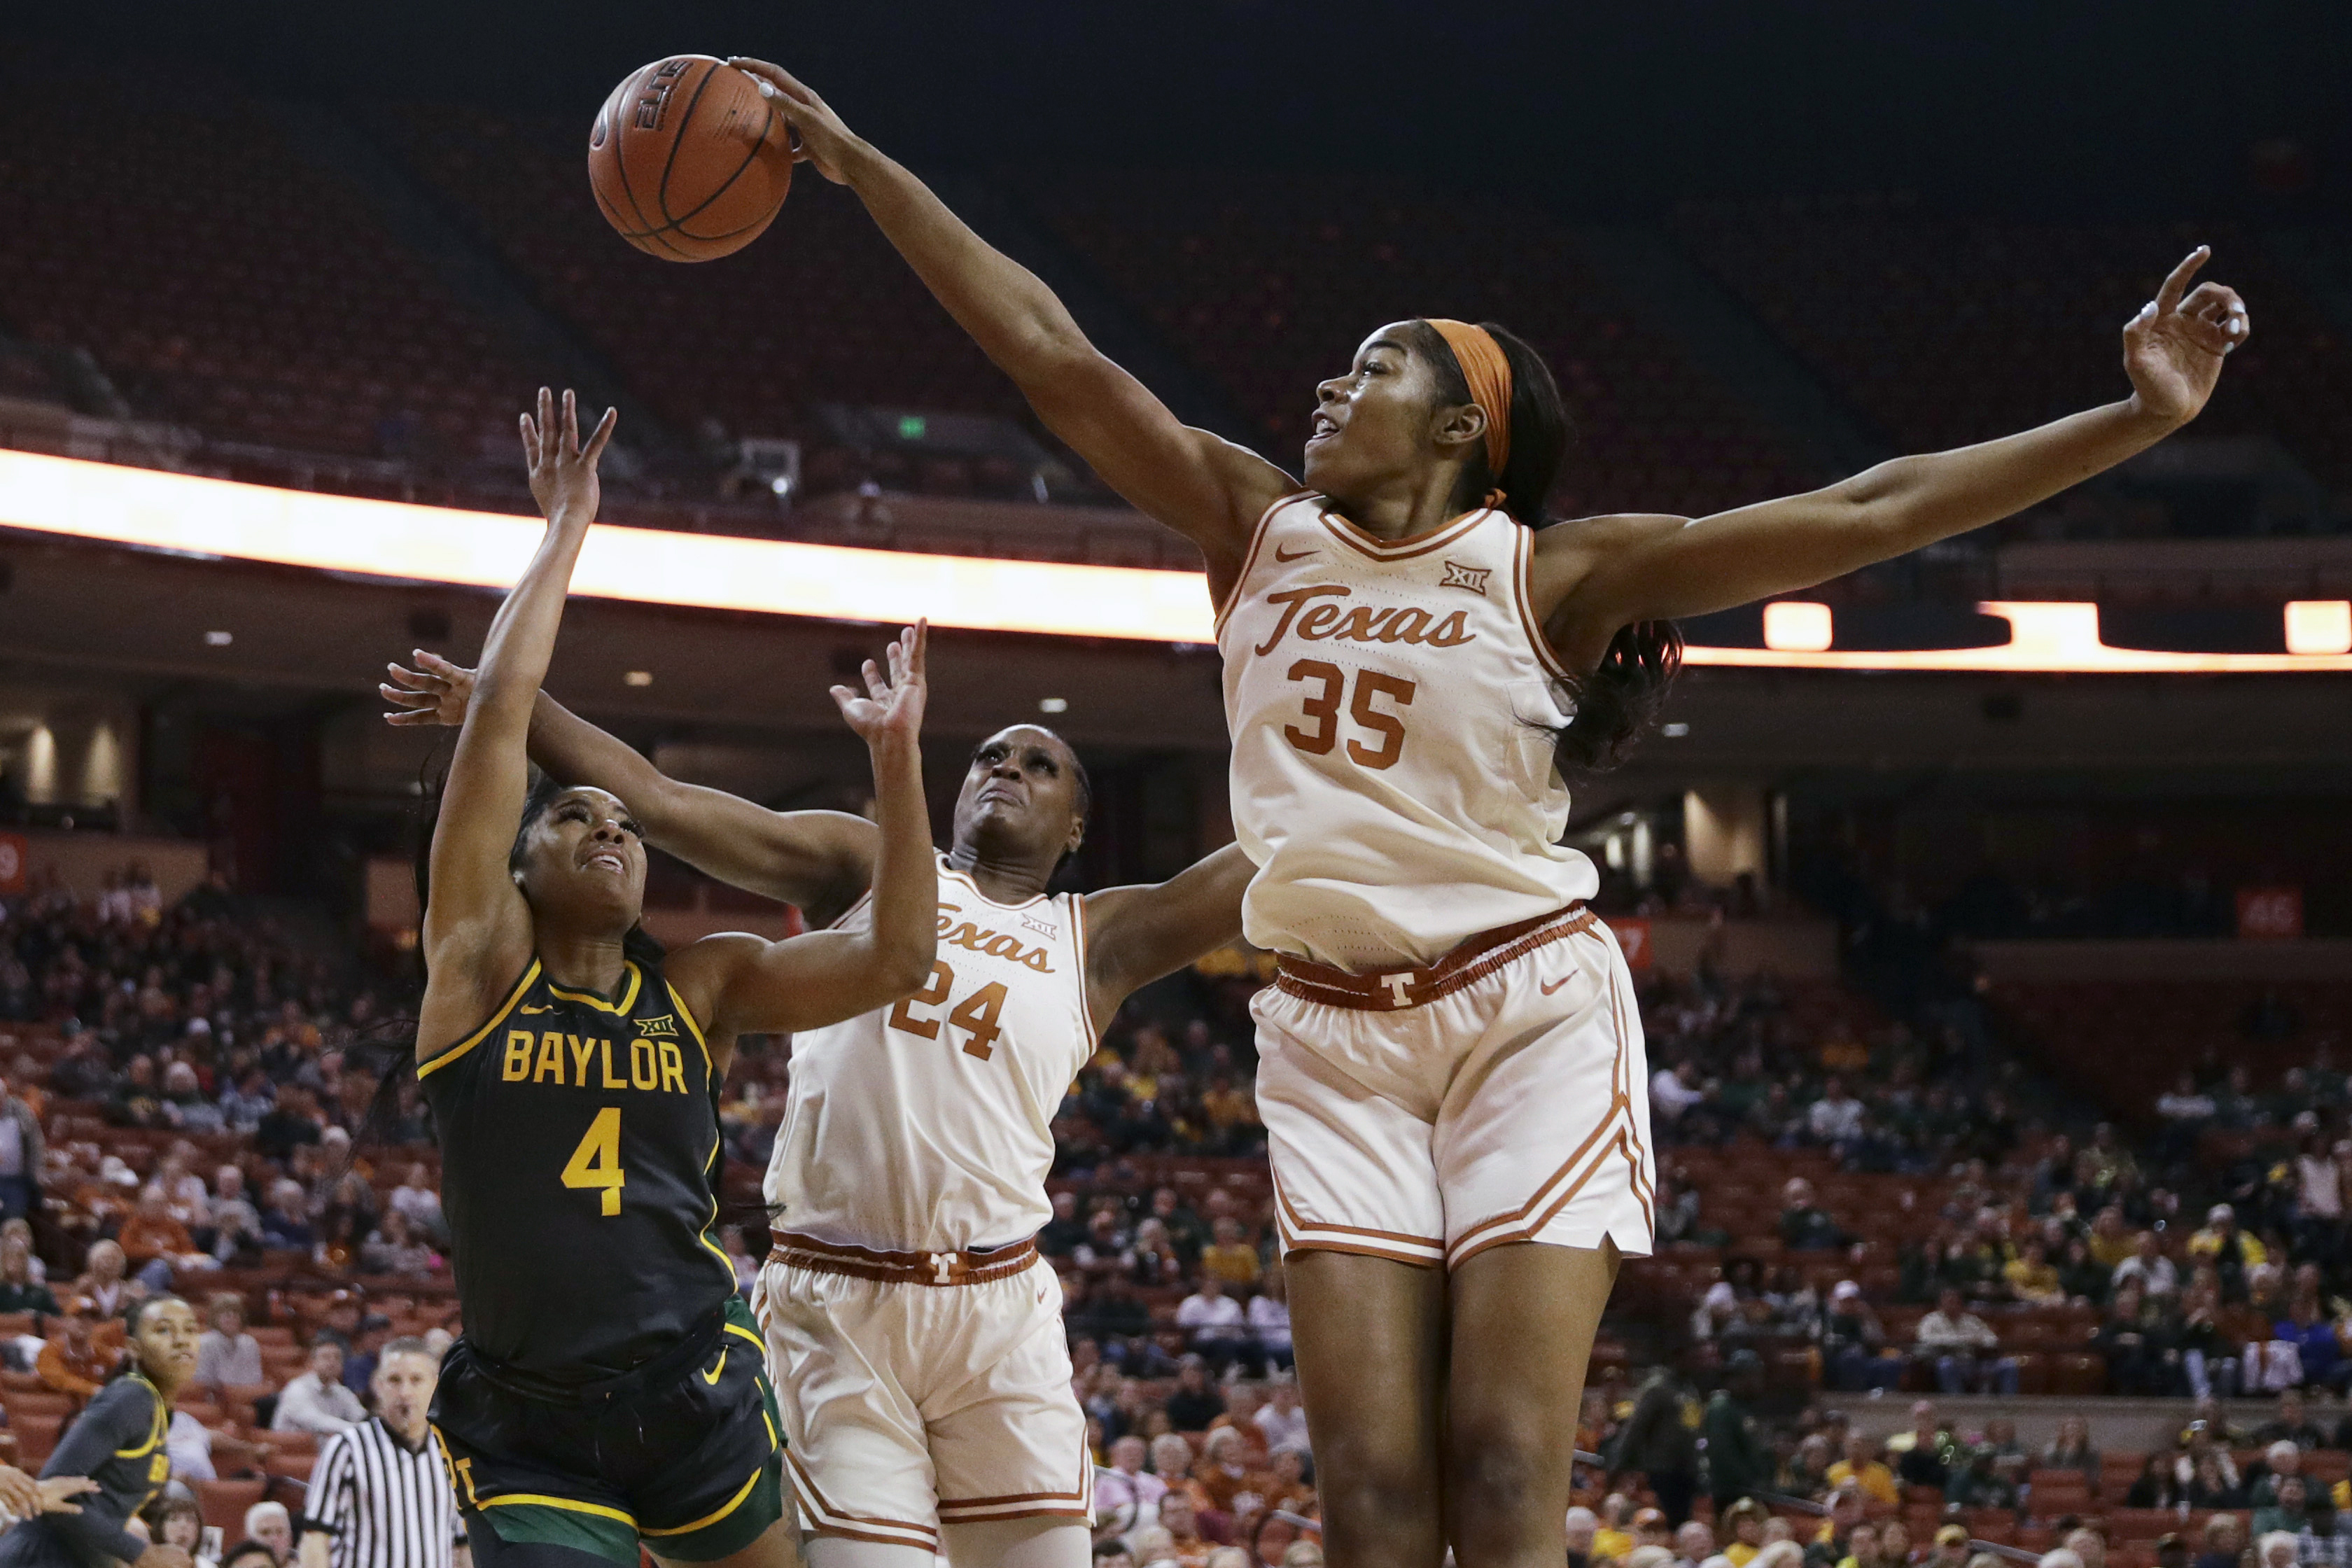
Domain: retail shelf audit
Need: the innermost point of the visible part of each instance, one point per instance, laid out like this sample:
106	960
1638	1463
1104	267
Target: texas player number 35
1320	708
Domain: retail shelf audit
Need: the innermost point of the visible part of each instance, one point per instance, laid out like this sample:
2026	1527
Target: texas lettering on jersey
1311	613
976	937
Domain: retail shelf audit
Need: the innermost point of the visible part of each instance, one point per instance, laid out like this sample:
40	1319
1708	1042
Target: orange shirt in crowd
82	1370
143	1238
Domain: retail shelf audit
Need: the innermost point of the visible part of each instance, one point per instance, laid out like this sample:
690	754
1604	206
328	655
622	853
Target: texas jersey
1393	708
929	1125
579	1143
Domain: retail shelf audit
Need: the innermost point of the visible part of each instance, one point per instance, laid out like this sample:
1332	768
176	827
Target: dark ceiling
2000	103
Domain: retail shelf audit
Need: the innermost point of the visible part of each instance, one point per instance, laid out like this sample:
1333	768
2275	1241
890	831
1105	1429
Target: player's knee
1378	1487
1507	1479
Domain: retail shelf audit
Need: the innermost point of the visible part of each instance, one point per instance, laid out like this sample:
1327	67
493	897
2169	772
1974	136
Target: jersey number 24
976	1014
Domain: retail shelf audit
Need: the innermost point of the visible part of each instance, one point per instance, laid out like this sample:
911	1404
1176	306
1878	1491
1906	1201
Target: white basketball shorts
1497	1096
908	1406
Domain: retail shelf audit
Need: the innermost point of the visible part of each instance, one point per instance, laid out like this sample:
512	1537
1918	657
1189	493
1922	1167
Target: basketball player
915	1331
609	1388
1451	1073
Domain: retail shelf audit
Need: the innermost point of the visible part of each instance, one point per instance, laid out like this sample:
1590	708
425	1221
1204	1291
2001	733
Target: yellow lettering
550	1058
673	1067
581	1050
645	1079
610	1082
517	1056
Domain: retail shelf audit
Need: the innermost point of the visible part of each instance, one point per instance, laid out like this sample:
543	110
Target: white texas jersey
927	1126
1392	771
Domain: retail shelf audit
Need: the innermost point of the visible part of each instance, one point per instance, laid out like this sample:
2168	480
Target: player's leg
1370	1335
489	1550
778	1546
837	1551
1524	1319
1015	1544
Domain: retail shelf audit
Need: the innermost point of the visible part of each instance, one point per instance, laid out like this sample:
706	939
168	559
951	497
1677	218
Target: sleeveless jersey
1390	704
579	1152
929	1125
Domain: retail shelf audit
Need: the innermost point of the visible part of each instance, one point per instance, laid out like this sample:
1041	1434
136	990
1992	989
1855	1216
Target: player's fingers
602	433
570	422
922	635
405	698
529	444
843	697
445	669
2167	299
876	687
417	719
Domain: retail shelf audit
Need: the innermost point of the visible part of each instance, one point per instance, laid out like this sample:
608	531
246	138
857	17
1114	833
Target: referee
380	1493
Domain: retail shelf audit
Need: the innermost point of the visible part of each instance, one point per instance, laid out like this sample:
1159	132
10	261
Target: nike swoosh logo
526	1007
1302	555
712	1375
1555	984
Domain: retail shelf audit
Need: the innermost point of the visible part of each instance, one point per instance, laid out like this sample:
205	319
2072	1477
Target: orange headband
1488	373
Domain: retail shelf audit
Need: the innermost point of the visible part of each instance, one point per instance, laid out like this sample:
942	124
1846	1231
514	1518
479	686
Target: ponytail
1621	698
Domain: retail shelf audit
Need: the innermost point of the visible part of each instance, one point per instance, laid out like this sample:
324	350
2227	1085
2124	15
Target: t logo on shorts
941	1262
1398	984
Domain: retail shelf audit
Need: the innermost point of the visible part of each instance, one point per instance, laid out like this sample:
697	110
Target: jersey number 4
1321	708
976	1014
596	1162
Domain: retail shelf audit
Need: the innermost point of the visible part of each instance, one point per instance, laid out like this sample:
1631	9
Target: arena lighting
2319	625
1794	626
187	515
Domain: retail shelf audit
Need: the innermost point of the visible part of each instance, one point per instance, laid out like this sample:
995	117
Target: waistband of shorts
1385	990
659	1370
943	1268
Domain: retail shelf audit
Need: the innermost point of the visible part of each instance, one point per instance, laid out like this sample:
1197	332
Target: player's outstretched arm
821	861
477	927
1605	572
1199	484
1136	934
805	982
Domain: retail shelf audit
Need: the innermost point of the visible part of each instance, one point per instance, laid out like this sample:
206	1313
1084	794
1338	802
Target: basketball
688	162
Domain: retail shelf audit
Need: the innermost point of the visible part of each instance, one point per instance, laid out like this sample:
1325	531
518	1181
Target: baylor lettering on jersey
580	1141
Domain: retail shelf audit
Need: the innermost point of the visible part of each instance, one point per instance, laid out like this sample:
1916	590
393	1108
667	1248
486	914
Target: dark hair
1618	699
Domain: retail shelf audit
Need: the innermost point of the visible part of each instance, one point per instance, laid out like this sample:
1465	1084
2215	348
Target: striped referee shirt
380	1503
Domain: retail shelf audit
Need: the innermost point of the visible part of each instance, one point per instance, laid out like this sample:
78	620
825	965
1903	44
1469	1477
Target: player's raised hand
435	692
818	135
562	471
892	707
2173	349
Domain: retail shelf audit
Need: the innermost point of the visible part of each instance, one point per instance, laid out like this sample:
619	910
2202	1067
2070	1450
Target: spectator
1853	1344
1230	1259
269	1524
1281	1419
1213	1324
21	1154
1979	1482
1694	1545
1862	1548
1950	1549
2139	1350
154	1243
1805	1228
1835	1119
2279	1549
317	1401
20	1290
81	1355
103	1283
2032	1278
1614	1540
2287	1507
1059	1238
1194	1403
1963	1349
1657	1440
1862	1467
285	1226
1180	1518
1269	1319
1833	1543
2149	1267
2089	1547
1124	1491
2171	1551
393	1249
1582	1523
2060	1557
2230	1250
1744	1523
1673	1090
2281	1461
2071	1449
1739	1461
2154	1487
227	1356
2223	1543
1925	1462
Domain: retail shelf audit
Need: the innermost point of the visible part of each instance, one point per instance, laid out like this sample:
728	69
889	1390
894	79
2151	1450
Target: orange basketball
687	161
